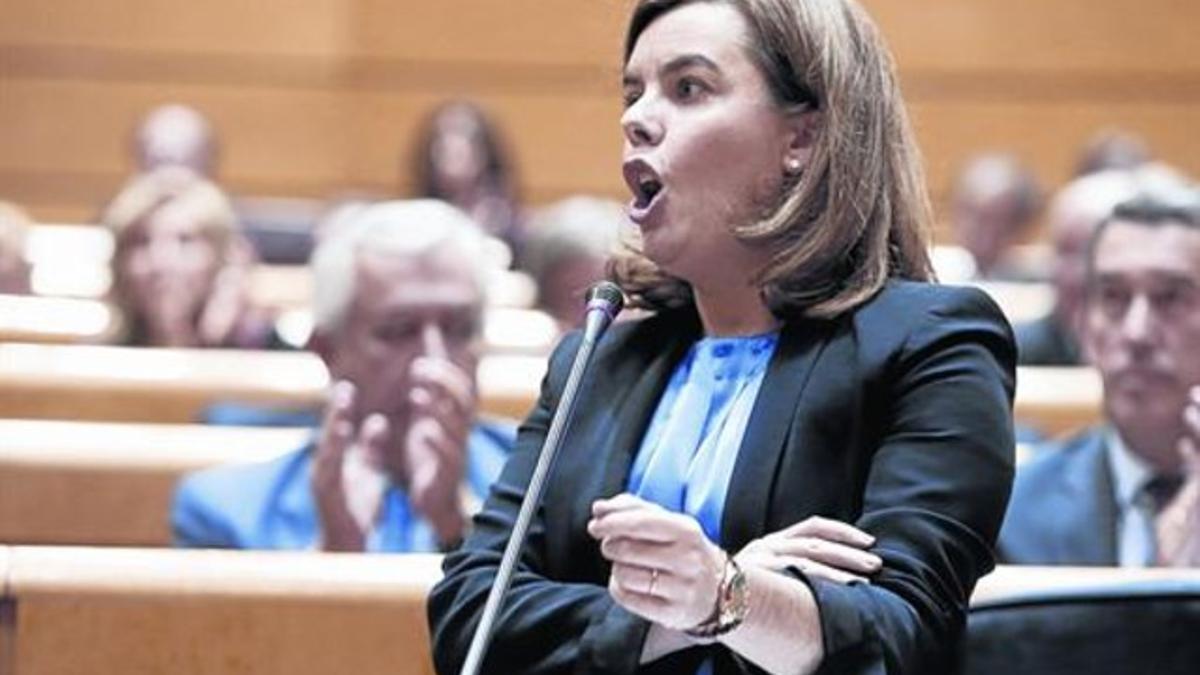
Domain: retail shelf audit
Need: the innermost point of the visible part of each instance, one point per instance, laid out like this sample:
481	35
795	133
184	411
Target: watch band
732	605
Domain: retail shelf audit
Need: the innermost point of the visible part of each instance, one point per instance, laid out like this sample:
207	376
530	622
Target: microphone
604	302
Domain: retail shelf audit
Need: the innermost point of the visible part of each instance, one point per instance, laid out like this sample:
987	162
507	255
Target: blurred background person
174	134
180	267
1127	491
461	158
568	246
14	270
995	200
1112	149
1075	212
402	459
1073	215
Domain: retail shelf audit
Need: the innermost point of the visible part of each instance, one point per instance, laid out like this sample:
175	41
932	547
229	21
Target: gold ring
653	580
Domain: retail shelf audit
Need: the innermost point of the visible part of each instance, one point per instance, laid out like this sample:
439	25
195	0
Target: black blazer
896	417
1063	511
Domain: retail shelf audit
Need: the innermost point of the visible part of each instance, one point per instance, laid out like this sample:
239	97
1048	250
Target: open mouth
646	190
645	184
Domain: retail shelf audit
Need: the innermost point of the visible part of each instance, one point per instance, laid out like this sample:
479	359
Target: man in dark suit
1128	492
1072	218
400	460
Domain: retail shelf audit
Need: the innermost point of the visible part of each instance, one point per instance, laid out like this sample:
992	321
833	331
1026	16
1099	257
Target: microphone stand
604	302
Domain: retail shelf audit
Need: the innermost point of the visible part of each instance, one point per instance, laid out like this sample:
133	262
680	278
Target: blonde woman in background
180	265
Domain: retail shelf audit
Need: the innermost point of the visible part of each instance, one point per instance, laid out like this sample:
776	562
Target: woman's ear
803	130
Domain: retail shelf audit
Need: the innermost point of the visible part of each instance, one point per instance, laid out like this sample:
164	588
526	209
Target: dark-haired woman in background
800	373
461	158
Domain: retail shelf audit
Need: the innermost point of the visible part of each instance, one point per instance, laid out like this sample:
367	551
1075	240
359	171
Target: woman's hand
818	547
663	567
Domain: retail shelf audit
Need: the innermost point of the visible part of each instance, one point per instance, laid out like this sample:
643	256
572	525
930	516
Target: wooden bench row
66	610
97	483
111	484
79	610
62	320
72	260
126	384
103	383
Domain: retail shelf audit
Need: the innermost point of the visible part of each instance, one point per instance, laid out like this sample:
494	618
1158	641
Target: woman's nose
640	124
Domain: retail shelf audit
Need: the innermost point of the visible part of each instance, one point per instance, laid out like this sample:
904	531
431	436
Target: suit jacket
1063	511
1045	342
896	417
270	505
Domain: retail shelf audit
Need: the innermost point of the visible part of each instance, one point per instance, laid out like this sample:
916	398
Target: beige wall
315	96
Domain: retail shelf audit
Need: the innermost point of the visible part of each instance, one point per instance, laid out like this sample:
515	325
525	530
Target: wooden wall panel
314	98
1035	35
529	32
295	27
304	142
282	136
925	34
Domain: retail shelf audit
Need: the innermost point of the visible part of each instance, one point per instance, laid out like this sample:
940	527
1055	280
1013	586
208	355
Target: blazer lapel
626	398
750	487
634	412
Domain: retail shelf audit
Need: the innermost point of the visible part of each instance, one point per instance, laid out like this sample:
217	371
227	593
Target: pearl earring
792	166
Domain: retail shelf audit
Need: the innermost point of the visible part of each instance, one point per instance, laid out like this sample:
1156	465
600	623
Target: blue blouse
687	456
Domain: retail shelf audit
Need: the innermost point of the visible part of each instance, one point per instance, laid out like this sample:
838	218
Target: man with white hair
400	460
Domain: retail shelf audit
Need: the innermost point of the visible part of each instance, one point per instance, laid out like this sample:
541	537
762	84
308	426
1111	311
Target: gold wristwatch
733	603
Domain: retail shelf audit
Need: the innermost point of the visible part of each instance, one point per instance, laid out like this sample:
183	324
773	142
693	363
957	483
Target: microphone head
607	297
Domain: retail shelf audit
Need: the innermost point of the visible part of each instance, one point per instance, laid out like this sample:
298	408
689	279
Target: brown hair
857	215
497	168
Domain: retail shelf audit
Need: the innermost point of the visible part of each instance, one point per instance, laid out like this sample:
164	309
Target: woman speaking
798	373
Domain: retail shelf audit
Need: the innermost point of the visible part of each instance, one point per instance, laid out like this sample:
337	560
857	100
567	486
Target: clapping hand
348	478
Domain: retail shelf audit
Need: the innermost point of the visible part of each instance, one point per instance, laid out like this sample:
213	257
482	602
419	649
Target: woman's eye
688	88
629	97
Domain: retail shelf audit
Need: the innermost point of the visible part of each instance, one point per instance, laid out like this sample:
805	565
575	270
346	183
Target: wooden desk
128	384
1058	401
1009	582
137	611
162	385
74	261
29	318
506	330
111	484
